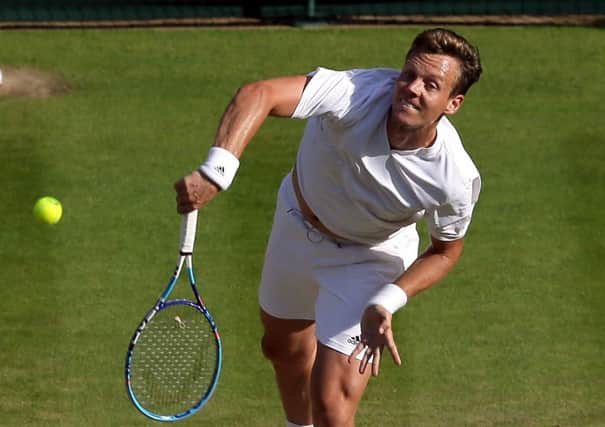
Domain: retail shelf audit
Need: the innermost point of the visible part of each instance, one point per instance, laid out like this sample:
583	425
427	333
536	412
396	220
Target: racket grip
188	229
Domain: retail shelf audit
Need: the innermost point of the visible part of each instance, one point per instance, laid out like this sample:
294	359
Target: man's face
423	91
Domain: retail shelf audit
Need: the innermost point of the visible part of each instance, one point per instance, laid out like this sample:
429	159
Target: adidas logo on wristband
220	167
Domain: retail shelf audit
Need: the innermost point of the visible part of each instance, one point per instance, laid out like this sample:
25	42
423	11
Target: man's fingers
376	362
395	353
390	342
358	348
179	185
363	363
193	192
188	194
183	203
184	208
376	333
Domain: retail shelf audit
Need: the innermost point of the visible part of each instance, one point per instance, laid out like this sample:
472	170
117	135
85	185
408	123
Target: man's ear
454	104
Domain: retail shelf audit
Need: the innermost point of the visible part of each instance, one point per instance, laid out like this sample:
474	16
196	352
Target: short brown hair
446	42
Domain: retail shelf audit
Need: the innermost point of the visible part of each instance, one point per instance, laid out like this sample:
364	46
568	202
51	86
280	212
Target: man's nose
414	86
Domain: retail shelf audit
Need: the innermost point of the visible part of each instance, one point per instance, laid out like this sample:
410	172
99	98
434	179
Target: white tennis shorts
306	275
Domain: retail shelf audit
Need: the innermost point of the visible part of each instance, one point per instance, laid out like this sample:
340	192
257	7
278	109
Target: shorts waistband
310	216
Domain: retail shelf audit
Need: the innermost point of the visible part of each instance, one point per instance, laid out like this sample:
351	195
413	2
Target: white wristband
391	297
220	167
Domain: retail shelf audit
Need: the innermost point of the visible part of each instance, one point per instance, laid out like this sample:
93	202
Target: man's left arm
428	269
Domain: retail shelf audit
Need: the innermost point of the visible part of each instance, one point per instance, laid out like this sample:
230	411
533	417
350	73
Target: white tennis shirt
358	186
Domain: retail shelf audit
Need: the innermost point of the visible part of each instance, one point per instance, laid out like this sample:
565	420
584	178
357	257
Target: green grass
513	337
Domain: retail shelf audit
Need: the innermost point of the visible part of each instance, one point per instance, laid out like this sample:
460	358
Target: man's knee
336	388
332	410
333	405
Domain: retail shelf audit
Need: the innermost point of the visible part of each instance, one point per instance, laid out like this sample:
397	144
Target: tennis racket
174	358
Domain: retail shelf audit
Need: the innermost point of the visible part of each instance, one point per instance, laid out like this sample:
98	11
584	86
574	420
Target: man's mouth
408	106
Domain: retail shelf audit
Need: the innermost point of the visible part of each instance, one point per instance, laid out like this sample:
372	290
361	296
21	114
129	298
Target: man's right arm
243	117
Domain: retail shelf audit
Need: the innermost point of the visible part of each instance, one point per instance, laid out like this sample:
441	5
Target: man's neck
404	138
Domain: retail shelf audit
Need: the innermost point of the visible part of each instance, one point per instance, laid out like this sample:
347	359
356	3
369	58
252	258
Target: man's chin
407	123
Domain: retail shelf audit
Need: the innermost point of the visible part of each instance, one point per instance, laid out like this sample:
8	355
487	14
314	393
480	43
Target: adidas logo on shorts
354	340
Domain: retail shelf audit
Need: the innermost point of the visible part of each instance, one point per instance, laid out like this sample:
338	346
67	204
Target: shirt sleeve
451	220
344	97
328	92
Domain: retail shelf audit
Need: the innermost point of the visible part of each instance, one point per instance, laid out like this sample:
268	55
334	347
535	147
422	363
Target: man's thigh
287	289
288	340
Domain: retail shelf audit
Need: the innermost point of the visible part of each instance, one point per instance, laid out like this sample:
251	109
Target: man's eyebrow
431	76
418	71
439	77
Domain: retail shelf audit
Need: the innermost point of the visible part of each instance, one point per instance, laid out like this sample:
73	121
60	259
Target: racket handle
188	229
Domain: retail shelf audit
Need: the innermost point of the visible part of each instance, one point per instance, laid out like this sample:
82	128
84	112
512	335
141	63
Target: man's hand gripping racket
174	358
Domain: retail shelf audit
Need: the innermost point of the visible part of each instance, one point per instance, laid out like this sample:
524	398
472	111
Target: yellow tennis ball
48	210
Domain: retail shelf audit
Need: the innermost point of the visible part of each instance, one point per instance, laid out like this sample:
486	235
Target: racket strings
174	361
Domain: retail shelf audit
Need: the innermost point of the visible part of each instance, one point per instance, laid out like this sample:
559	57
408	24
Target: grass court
513	337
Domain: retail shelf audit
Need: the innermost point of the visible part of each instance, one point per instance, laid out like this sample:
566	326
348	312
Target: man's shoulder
383	72
363	78
349	96
455	150
376	71
358	78
462	182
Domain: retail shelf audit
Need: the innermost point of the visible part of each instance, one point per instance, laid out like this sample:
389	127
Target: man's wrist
390	296
205	178
220	167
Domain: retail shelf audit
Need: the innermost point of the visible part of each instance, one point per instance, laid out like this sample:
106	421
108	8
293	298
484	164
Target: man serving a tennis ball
378	155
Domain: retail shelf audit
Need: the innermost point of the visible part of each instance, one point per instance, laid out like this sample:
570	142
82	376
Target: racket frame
188	225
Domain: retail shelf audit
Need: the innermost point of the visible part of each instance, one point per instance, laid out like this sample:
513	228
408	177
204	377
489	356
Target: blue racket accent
174	358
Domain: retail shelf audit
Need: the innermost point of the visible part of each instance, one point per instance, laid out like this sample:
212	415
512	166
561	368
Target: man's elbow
449	251
252	92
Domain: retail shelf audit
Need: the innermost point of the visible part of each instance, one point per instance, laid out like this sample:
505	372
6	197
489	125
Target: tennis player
378	154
